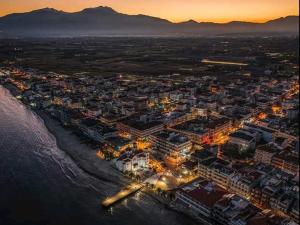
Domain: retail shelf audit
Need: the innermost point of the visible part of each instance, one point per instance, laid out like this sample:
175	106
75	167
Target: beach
84	156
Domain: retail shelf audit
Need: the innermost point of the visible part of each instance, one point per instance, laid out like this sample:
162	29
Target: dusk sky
174	10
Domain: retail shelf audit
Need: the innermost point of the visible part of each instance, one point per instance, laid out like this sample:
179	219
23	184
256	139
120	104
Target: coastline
81	154
84	157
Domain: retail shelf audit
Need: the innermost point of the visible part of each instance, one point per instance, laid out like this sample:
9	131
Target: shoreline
81	154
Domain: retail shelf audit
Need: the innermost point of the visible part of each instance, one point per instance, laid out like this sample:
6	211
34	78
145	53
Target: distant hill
101	21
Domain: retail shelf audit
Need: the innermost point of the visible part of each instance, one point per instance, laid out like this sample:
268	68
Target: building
199	197
287	161
293	113
169	142
133	161
216	170
266	217
266	133
294	210
117	144
282	202
202	155
265	190
242	184
233	210
140	127
96	131
265	153
205	130
243	140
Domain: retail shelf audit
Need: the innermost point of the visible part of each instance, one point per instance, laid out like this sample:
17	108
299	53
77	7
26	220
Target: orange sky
174	10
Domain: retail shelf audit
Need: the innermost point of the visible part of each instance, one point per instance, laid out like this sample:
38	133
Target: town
225	151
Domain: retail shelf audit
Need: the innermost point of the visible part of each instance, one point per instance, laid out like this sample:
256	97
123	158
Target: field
148	56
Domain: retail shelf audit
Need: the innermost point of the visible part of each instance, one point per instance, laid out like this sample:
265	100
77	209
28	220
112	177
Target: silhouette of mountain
101	21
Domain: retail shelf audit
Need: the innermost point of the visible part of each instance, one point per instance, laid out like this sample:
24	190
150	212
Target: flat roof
140	125
202	125
268	148
117	141
259	127
204	154
241	135
172	137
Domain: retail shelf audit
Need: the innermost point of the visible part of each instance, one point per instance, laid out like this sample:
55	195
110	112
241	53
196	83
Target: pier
132	188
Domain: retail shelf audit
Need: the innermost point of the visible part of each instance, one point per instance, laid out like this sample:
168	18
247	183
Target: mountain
101	21
288	23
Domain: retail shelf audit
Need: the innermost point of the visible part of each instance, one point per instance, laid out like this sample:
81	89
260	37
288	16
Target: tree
164	193
172	196
131	174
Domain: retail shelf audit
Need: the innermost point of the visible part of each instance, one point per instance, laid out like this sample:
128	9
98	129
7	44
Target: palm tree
172	196
131	174
164	193
138	177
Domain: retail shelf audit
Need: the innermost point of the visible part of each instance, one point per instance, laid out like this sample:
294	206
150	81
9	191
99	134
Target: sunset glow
176	11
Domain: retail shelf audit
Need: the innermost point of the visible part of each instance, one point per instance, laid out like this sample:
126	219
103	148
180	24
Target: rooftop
117	141
202	125
172	137
204	192
241	135
142	122
270	148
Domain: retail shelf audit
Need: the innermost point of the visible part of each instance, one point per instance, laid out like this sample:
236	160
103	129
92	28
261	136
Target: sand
84	156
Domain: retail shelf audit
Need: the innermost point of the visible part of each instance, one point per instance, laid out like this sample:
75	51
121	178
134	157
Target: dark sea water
40	184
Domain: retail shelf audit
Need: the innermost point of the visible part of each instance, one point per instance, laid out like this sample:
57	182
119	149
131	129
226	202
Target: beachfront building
95	130
117	144
133	161
199	197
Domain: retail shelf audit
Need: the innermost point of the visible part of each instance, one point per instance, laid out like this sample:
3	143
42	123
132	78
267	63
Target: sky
173	10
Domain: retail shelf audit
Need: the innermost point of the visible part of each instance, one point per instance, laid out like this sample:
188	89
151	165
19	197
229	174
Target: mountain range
104	21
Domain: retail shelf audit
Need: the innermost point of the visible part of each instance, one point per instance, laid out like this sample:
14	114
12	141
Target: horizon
149	112
219	15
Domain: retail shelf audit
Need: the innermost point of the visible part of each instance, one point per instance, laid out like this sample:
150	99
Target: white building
133	161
